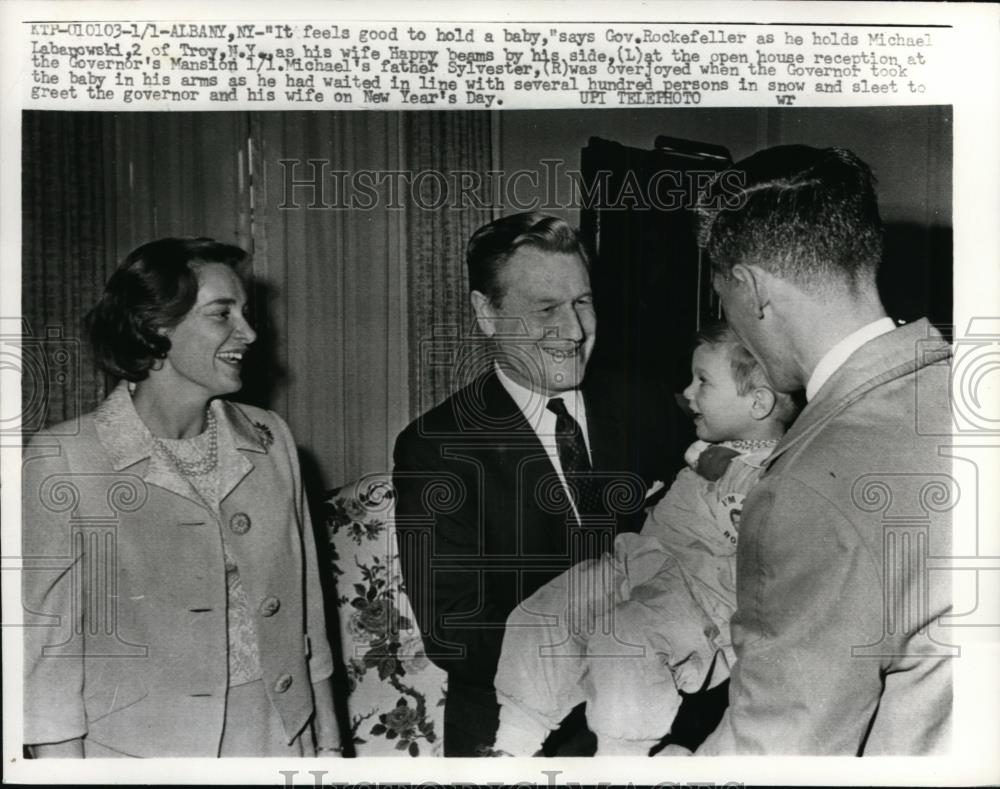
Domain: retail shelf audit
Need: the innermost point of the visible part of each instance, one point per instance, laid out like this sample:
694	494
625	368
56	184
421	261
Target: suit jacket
482	521
125	591
835	652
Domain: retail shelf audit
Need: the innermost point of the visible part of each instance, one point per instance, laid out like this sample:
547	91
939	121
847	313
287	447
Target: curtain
65	259
443	150
345	293
336	280
95	186
179	174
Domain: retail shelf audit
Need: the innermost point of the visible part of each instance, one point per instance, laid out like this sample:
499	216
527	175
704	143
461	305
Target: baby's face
721	413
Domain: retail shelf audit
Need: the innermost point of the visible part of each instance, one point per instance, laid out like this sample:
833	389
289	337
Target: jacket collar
604	425
534	404
486	406
128	442
887	357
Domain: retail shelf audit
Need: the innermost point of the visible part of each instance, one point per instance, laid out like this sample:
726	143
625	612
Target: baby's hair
747	372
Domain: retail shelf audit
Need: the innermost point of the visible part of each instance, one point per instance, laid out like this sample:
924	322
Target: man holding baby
830	649
522	473
835	652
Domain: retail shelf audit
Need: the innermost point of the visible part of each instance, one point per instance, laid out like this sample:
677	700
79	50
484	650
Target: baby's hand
694	452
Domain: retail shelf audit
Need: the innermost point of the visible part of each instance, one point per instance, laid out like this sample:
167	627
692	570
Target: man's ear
762	403
757	282
485	313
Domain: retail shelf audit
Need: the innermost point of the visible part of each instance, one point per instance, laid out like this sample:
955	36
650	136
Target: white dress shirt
834	358
543	421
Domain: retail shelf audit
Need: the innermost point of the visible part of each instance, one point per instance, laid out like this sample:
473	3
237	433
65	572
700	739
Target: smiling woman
172	322
195	557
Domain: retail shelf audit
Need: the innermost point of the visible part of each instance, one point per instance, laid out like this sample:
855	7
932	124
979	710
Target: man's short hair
804	214
748	374
493	244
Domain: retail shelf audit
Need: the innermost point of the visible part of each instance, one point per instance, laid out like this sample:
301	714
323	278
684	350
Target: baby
628	631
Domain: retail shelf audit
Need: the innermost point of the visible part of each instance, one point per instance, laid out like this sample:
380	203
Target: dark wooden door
651	288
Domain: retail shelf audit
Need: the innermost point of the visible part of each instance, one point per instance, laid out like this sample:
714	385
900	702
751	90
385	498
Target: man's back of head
795	241
806	215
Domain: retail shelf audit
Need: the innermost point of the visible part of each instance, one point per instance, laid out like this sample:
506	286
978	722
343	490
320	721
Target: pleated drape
445	147
66	254
337	306
344	297
179	174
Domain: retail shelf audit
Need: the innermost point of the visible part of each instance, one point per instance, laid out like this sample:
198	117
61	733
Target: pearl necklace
750	444
203	465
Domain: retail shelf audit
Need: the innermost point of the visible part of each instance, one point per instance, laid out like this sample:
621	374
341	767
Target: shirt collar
533	404
834	358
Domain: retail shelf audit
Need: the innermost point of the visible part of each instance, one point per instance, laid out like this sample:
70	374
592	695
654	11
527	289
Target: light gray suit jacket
125	591
835	602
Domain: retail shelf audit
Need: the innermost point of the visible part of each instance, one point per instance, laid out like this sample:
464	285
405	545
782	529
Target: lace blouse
244	653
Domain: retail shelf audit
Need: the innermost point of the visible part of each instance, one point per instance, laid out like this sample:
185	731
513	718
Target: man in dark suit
520	474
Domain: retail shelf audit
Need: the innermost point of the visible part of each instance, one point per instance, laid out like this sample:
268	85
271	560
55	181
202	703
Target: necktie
574	459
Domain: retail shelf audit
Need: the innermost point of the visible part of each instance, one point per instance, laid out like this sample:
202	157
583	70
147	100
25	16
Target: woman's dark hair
153	289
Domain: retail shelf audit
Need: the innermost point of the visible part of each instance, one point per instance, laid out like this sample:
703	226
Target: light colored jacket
126	586
697	523
835	652
626	632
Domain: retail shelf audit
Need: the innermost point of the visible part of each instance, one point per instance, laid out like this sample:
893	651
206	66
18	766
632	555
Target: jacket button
269	606
283	683
239	523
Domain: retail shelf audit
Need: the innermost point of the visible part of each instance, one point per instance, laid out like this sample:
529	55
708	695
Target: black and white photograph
405	436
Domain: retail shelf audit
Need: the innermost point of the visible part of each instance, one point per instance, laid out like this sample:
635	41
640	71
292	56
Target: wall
909	149
332	300
333	310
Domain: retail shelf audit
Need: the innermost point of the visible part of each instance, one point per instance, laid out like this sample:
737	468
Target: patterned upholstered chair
396	695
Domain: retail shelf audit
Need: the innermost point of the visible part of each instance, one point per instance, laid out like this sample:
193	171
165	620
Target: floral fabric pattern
396	701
